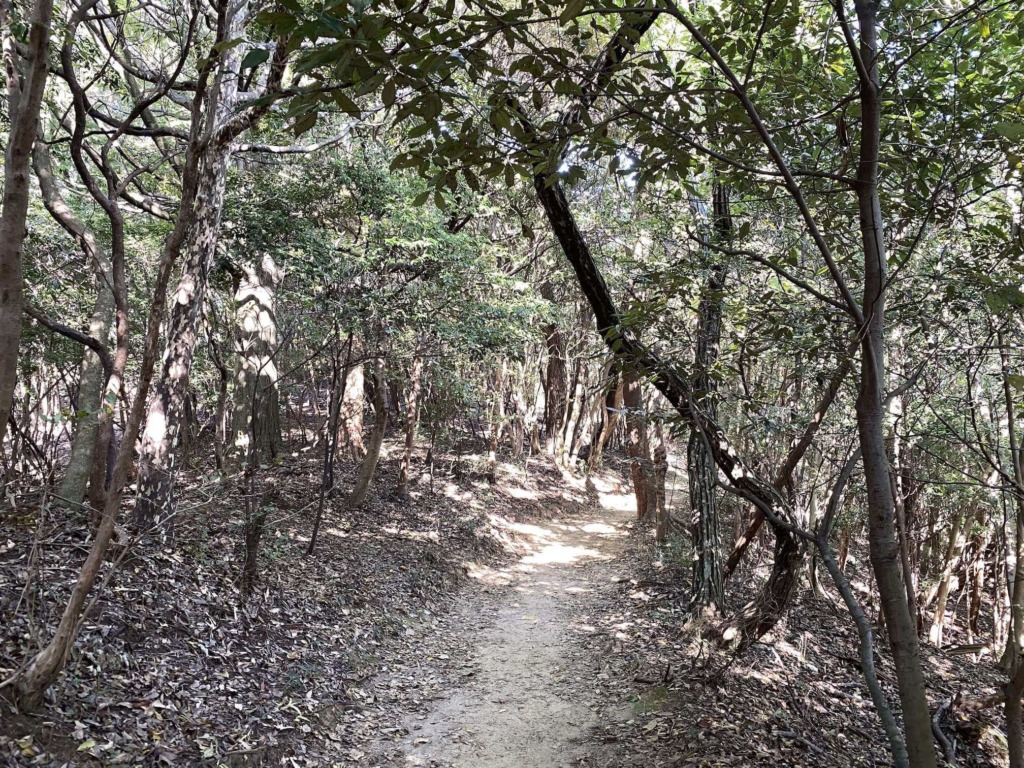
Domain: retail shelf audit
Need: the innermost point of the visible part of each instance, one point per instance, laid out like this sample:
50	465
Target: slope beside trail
528	698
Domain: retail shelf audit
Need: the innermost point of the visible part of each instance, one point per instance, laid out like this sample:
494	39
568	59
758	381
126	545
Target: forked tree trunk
611	407
378	395
25	88
32	682
256	419
942	593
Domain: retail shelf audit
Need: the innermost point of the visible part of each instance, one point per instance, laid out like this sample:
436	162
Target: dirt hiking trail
531	700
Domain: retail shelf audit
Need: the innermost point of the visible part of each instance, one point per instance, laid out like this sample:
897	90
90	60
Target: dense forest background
271	269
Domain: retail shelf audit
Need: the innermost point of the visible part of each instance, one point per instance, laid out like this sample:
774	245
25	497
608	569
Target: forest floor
526	623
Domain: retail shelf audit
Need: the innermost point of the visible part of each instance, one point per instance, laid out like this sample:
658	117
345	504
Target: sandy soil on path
529	702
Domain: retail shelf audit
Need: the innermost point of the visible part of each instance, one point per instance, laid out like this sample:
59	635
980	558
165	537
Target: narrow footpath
529	701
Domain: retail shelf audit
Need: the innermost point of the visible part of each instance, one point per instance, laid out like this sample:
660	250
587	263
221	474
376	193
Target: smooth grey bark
26	81
92	374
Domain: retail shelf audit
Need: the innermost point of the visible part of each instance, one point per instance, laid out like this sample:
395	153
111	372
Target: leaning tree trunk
702	475
24	99
942	593
256	417
378	394
166	410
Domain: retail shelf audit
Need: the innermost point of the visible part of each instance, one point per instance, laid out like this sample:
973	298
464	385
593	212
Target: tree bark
612	406
497	419
637	445
942	594
256	418
707	588
555	391
25	86
790	548
351	413
35	678
1014	712
412	414
871	408
378	395
86	445
161	439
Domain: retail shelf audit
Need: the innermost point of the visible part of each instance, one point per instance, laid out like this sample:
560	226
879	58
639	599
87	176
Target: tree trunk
352	406
976	577
412	408
662	519
871	408
256	418
24	99
555	391
707	588
159	450
611	407
31	683
92	374
775	595
497	420
942	594
378	396
1014	689
637	444
1014	655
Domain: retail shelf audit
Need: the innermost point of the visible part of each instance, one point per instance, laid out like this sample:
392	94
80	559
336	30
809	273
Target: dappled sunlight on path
528	704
